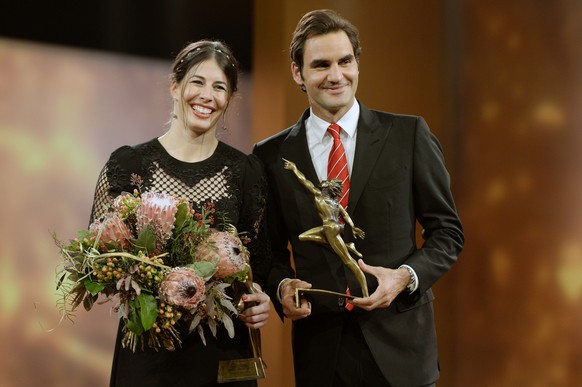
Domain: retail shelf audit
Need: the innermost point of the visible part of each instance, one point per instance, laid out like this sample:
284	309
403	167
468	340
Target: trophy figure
331	231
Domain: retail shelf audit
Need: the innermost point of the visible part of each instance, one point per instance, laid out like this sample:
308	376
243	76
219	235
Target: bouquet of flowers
160	262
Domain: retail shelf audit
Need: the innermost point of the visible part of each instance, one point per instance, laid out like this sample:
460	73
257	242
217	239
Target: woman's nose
206	93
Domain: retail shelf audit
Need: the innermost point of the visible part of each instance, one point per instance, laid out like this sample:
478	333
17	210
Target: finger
257	310
363	302
294	313
257	287
256	315
291	308
256	324
255	321
300	284
289	289
368	303
366	268
260	298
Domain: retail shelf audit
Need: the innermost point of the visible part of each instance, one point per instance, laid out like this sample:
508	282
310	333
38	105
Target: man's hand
257	314
390	283
287	291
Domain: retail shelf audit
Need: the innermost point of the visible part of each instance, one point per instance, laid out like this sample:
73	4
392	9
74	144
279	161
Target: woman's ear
174	90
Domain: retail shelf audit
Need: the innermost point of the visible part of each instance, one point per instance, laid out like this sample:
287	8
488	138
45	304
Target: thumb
366	268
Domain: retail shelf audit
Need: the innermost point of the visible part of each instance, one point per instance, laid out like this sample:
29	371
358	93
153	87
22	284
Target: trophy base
300	291
240	370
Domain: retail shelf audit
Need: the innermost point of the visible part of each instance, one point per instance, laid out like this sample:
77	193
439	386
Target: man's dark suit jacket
398	177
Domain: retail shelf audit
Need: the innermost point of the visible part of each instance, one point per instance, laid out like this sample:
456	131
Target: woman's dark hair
320	22
197	52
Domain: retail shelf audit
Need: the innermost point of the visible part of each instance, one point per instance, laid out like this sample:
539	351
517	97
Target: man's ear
296	72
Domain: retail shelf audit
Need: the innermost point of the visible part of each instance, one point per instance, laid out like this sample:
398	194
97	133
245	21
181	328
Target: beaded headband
212	48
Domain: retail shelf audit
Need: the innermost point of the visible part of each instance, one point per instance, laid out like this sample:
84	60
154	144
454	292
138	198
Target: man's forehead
326	47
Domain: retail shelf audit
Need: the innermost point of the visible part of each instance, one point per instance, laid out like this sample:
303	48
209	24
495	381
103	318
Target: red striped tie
337	167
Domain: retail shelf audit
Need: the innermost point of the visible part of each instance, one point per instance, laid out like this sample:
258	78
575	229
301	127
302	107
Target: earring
174	115
224	128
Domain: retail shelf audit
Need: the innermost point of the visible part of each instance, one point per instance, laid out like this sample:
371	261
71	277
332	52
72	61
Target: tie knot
334	130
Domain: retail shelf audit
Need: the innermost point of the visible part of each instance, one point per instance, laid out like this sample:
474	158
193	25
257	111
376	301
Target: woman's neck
188	146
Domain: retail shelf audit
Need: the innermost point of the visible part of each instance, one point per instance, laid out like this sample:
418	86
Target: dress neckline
217	150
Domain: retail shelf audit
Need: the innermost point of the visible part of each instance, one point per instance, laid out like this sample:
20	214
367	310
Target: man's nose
335	73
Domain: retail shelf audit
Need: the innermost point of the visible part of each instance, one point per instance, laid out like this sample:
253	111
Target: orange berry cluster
167	317
110	270
149	274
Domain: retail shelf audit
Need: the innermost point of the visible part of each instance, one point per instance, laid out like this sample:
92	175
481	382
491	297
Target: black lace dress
235	183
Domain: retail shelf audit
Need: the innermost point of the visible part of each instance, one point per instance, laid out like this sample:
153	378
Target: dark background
157	29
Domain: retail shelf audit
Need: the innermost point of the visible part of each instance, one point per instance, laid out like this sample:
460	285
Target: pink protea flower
114	230
157	210
182	287
227	247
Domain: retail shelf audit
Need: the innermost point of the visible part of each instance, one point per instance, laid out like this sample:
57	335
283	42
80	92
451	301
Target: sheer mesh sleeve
252	218
115	178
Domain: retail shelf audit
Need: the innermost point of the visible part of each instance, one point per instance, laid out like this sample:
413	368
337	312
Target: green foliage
182	217
93	287
148	310
133	321
146	240
205	269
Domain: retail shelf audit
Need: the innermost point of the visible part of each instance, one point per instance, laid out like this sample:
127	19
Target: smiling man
396	177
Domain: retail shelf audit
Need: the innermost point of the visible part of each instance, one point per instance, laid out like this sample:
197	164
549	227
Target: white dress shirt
320	141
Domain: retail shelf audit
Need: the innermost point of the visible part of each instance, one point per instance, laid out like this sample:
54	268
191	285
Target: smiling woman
54	140
189	162
204	77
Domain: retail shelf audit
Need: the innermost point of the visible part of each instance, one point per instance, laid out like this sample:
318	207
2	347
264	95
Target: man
396	177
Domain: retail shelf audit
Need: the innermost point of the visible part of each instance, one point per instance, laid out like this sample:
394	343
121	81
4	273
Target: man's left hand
390	283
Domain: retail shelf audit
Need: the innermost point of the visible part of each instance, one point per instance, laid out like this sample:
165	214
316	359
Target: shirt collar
348	122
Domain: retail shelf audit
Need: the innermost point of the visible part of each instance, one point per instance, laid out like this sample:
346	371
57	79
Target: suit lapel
295	149
369	142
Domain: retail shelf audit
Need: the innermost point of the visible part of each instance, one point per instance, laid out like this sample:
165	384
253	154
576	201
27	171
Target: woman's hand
257	313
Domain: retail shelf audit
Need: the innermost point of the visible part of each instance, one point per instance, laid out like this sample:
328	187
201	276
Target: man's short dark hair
321	22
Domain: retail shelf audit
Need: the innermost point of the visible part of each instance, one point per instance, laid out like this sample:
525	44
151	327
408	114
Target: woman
189	161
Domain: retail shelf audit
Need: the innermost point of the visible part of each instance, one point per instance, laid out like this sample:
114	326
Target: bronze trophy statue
331	231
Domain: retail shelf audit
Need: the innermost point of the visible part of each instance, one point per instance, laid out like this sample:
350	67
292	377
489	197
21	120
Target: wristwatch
412	284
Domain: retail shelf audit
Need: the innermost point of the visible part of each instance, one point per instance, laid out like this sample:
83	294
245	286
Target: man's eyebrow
347	57
320	62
